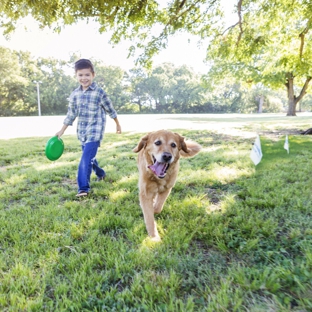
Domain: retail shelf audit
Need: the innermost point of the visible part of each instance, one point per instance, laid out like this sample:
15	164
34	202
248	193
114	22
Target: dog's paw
155	239
150	242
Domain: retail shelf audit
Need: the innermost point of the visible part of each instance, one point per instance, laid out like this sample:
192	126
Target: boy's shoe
82	194
100	178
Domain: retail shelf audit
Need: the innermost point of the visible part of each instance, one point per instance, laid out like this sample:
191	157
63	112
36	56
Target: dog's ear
188	148
193	148
141	144
183	146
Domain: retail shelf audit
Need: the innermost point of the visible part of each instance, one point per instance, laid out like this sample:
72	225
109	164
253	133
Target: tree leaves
148	24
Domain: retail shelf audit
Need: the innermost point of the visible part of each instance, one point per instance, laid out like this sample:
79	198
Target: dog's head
164	148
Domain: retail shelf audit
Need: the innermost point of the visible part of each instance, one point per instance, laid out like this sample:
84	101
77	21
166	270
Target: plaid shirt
90	106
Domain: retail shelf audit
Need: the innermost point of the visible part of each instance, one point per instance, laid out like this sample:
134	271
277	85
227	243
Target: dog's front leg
148	212
160	200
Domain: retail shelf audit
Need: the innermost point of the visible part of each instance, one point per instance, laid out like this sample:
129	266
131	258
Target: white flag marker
286	144
256	152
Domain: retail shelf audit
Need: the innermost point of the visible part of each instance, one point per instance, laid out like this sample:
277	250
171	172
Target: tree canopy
270	44
267	42
148	24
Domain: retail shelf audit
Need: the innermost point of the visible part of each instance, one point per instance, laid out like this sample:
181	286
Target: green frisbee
54	148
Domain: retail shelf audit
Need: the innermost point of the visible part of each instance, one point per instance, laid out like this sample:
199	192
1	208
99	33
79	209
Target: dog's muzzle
160	168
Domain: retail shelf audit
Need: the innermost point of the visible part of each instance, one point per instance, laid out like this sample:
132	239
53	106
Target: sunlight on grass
226	174
211	148
213	208
118	195
128	179
51	165
16	179
113	145
52	257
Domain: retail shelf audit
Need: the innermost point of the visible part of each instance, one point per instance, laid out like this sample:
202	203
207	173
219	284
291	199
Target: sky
85	39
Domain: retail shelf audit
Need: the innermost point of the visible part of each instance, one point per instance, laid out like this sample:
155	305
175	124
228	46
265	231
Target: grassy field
235	237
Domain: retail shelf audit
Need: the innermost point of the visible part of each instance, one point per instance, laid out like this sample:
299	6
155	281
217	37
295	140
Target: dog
158	165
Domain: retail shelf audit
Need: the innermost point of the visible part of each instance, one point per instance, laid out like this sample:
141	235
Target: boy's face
85	77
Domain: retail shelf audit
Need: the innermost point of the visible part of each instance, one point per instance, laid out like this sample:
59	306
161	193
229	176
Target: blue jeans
87	163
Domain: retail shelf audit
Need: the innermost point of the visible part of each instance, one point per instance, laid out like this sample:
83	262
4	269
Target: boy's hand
59	133
118	129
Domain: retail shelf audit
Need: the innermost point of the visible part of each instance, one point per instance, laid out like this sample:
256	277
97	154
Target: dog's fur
158	164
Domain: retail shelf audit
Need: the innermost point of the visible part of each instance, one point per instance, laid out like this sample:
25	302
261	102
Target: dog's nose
166	157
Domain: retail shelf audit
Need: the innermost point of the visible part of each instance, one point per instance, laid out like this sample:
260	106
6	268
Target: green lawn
235	237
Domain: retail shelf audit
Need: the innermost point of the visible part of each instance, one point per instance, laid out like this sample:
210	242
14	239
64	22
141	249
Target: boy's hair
83	64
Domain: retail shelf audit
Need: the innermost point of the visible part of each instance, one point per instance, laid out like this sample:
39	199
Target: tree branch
230	27
304	89
302	35
177	16
182	4
239	12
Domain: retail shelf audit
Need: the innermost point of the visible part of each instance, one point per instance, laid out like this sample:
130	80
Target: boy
90	104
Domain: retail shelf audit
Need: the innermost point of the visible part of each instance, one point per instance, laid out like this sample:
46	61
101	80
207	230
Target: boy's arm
71	115
118	127
109	108
61	132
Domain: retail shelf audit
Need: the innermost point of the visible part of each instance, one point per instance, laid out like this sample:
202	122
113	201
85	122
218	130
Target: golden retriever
158	164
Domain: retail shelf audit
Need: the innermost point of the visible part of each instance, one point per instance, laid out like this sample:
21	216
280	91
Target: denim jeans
87	164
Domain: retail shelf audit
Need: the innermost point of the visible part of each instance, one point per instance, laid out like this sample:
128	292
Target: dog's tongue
158	168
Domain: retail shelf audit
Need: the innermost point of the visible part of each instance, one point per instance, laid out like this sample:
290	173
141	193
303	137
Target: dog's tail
193	148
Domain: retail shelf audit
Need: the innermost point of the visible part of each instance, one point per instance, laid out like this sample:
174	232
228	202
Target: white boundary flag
256	152
286	144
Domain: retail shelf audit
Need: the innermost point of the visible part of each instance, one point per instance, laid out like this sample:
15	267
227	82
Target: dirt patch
276	134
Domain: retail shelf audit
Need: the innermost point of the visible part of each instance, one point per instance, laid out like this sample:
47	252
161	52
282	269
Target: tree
18	91
112	79
12	83
168	89
271	43
139	95
128	19
158	84
185	91
55	86
31	72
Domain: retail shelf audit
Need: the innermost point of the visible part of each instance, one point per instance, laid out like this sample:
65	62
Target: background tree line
165	89
260	42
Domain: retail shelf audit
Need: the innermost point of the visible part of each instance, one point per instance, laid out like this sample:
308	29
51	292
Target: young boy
90	104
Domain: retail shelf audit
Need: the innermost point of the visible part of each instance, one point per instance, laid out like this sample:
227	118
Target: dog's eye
173	145
158	143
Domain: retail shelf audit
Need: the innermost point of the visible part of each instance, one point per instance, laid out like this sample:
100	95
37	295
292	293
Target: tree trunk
291	96
158	107
261	101
291	107
292	99
308	131
140	104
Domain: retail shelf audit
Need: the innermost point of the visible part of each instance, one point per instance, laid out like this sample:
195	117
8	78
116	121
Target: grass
235	237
